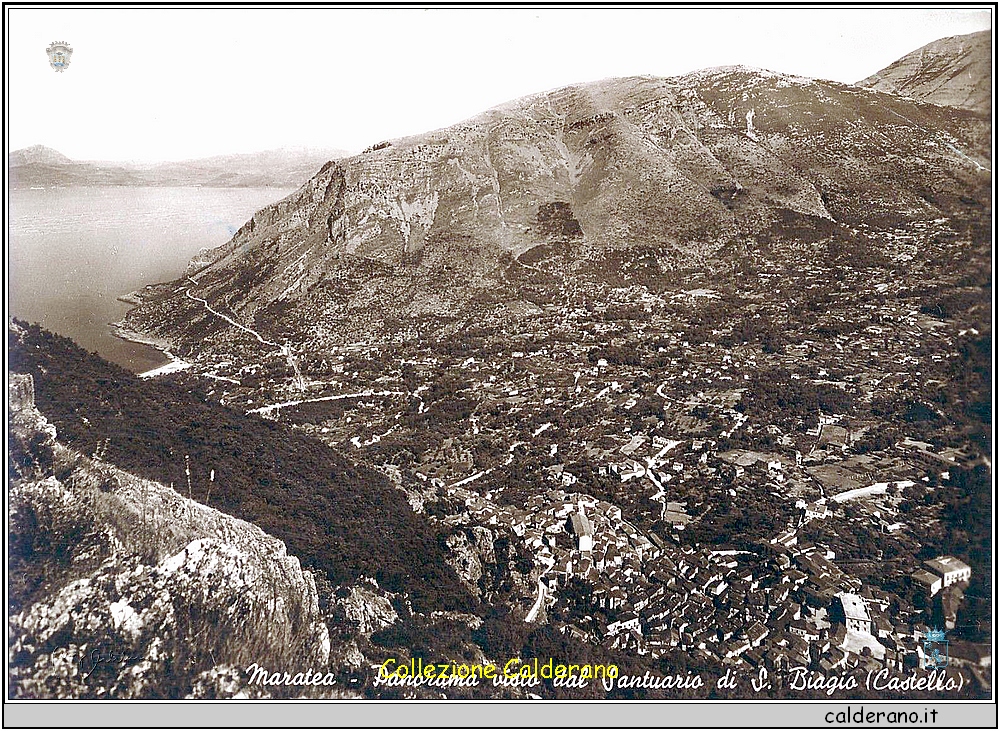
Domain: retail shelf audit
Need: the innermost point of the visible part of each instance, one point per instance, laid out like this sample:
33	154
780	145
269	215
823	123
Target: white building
950	569
931	583
856	615
583	530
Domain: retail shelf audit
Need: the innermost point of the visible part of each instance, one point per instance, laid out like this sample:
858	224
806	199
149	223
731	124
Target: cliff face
485	561
122	588
574	181
363	608
953	71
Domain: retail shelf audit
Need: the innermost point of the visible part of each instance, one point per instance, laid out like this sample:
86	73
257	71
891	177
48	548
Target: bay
72	252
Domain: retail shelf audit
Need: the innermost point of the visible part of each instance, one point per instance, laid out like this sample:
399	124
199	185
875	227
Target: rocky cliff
954	71
122	588
486	561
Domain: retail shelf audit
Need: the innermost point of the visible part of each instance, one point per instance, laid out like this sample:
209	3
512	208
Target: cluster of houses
569	534
650	597
799	609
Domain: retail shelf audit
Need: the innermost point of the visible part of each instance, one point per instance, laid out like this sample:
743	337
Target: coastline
162	346
138	296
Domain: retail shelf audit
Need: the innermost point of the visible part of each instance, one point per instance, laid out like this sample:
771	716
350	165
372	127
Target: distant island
42	167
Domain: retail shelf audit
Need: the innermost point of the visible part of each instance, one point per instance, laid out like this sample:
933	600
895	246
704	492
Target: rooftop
925	577
946	564
854	606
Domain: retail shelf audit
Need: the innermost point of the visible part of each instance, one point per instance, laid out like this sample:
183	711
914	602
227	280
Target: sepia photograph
500	354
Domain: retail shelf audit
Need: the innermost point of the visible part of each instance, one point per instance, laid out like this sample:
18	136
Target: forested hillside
341	519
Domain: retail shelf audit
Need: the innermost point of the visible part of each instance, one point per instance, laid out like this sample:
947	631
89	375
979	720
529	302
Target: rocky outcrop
486	560
469	549
363	608
121	588
953	71
31	439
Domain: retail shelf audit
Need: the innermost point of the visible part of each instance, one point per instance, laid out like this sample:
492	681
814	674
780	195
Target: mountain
37	155
612	180
283	167
954	71
40	166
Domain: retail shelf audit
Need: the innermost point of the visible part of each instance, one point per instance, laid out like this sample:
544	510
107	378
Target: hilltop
36	155
952	71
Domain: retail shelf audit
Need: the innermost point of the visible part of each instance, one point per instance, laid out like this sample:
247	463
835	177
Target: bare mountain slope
668	170
952	71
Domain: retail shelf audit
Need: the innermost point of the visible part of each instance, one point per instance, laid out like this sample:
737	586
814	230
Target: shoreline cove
171	362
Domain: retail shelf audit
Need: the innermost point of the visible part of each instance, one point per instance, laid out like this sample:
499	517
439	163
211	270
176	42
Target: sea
71	252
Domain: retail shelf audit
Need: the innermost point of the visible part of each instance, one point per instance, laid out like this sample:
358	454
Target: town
755	468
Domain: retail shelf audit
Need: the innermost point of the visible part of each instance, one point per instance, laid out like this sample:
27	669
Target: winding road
285	350
360	394
231	321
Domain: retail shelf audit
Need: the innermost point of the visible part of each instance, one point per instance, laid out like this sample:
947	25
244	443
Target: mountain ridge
677	167
37	154
41	166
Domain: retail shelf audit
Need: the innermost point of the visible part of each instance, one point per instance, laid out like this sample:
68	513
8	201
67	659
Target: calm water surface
73	251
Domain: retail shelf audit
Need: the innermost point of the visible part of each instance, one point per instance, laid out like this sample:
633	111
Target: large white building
950	569
856	614
583	530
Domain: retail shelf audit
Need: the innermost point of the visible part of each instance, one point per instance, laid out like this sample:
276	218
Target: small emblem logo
935	649
59	53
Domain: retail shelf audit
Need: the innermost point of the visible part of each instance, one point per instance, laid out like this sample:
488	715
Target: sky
155	84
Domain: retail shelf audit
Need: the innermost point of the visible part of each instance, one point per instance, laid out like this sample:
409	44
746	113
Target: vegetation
775	393
341	519
556	219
